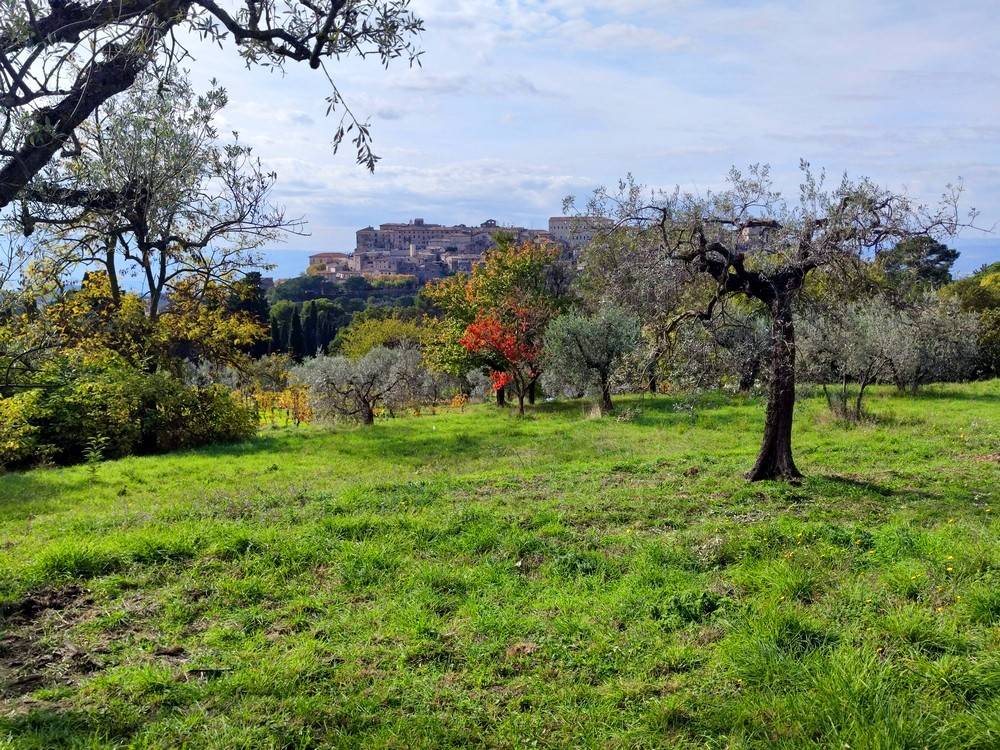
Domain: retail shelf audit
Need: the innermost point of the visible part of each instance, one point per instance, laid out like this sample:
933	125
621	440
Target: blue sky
520	103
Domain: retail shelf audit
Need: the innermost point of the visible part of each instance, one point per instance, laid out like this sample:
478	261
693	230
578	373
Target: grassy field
472	579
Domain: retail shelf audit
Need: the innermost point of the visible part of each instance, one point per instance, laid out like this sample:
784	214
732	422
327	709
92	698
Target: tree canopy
749	241
61	61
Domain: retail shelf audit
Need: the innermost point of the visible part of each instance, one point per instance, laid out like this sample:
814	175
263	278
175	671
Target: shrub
104	401
176	416
354	389
583	353
18	437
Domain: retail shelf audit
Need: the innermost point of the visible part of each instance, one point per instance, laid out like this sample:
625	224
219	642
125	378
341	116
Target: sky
520	103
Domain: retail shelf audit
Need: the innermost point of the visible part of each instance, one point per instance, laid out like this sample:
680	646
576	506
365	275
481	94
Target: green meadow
471	579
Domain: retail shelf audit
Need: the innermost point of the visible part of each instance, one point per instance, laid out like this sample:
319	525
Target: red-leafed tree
514	343
493	319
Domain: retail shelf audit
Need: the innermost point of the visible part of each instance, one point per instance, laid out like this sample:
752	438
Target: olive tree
583	352
187	207
929	340
355	388
726	350
843	346
60	61
629	271
748	241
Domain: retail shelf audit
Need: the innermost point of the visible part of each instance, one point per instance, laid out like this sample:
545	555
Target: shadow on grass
847	487
932	393
23	495
391	439
52	727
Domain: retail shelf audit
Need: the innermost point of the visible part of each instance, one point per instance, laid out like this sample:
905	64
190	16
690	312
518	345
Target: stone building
429	251
575	232
331	266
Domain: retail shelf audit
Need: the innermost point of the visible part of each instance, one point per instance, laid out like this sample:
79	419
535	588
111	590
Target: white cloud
521	101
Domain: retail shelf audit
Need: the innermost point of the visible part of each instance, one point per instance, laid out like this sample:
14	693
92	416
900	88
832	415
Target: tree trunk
111	268
367	415
775	458
520	404
102	79
606	406
501	396
858	405
749	375
531	392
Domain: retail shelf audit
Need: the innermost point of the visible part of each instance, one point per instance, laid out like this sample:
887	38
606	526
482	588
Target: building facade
429	251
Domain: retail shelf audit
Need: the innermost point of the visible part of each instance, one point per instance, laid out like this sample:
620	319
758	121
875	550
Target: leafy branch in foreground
60	61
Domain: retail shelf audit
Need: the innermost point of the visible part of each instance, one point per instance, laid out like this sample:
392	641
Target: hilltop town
429	251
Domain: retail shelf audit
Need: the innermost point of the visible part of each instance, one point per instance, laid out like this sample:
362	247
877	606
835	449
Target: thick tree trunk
520	404
97	82
501	396
775	458
531	392
367	415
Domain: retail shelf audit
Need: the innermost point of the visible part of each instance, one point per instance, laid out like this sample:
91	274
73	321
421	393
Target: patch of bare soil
33	651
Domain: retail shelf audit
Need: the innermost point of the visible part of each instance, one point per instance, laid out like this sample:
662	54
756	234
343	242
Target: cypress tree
310	329
296	342
277	340
322	331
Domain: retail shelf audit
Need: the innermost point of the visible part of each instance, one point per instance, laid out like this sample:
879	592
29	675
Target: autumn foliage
514	345
494	317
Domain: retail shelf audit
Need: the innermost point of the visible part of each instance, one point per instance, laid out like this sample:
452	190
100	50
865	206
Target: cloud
519	102
617	37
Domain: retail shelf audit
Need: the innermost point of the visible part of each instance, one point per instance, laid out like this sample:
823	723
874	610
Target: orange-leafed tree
493	318
514	344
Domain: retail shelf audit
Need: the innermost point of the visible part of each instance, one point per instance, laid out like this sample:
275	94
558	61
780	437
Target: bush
106	402
584	353
18	437
175	416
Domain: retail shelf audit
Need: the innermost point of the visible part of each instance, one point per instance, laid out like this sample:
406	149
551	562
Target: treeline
740	289
305	314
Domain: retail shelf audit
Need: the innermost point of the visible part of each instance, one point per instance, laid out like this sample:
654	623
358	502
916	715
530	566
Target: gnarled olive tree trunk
775	458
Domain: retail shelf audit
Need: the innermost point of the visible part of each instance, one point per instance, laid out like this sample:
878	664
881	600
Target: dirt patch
990	457
32	656
521	649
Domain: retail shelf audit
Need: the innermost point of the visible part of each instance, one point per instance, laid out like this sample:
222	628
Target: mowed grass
477	580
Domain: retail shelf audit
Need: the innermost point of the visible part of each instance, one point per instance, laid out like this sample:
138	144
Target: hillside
471	579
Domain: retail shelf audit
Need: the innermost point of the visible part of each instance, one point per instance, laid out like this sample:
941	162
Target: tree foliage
494	317
61	61
513	346
920	261
583	353
187	204
354	389
365	334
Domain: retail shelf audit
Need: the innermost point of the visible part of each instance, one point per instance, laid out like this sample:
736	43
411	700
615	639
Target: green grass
472	579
